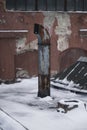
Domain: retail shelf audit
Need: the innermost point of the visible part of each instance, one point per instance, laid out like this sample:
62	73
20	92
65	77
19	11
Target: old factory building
66	22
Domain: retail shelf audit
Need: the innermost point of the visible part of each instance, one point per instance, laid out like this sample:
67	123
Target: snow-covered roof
73	78
82	59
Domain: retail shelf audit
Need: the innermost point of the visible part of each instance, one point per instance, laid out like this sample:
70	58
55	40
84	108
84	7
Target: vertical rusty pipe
43	60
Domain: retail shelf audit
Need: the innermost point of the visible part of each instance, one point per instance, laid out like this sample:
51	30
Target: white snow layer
21	109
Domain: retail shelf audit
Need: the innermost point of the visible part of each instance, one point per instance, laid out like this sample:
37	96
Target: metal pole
43	60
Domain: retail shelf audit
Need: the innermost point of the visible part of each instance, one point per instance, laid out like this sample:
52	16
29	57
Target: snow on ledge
82	59
13	31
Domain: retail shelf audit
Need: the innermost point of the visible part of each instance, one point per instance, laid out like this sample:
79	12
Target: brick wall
28	61
64	29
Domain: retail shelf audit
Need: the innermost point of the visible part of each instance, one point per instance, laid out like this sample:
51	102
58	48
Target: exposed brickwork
28	61
78	21
7	64
70	56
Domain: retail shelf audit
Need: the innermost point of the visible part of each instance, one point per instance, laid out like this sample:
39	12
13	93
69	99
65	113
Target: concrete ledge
13	33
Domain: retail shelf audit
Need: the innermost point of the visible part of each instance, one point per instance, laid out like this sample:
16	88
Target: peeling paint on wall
2	21
63	43
63	31
49	21
20	44
63	28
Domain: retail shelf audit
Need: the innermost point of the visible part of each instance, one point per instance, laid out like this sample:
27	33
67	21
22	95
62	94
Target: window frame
63	8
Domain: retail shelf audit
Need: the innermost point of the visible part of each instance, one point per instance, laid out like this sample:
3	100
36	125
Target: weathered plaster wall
63	30
20	44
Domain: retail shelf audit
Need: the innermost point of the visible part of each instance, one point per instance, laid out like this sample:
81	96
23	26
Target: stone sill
13	33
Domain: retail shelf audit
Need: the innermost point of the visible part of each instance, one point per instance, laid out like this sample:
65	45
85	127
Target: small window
50	5
10	4
30	5
85	5
20	4
60	5
70	5
42	5
79	5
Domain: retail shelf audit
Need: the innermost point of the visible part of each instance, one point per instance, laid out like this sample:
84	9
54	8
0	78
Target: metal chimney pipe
43	60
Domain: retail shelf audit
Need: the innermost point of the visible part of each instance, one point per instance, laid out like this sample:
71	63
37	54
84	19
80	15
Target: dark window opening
50	5
70	5
20	5
60	5
10	4
65	5
42	5
79	5
47	5
30	5
85	5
